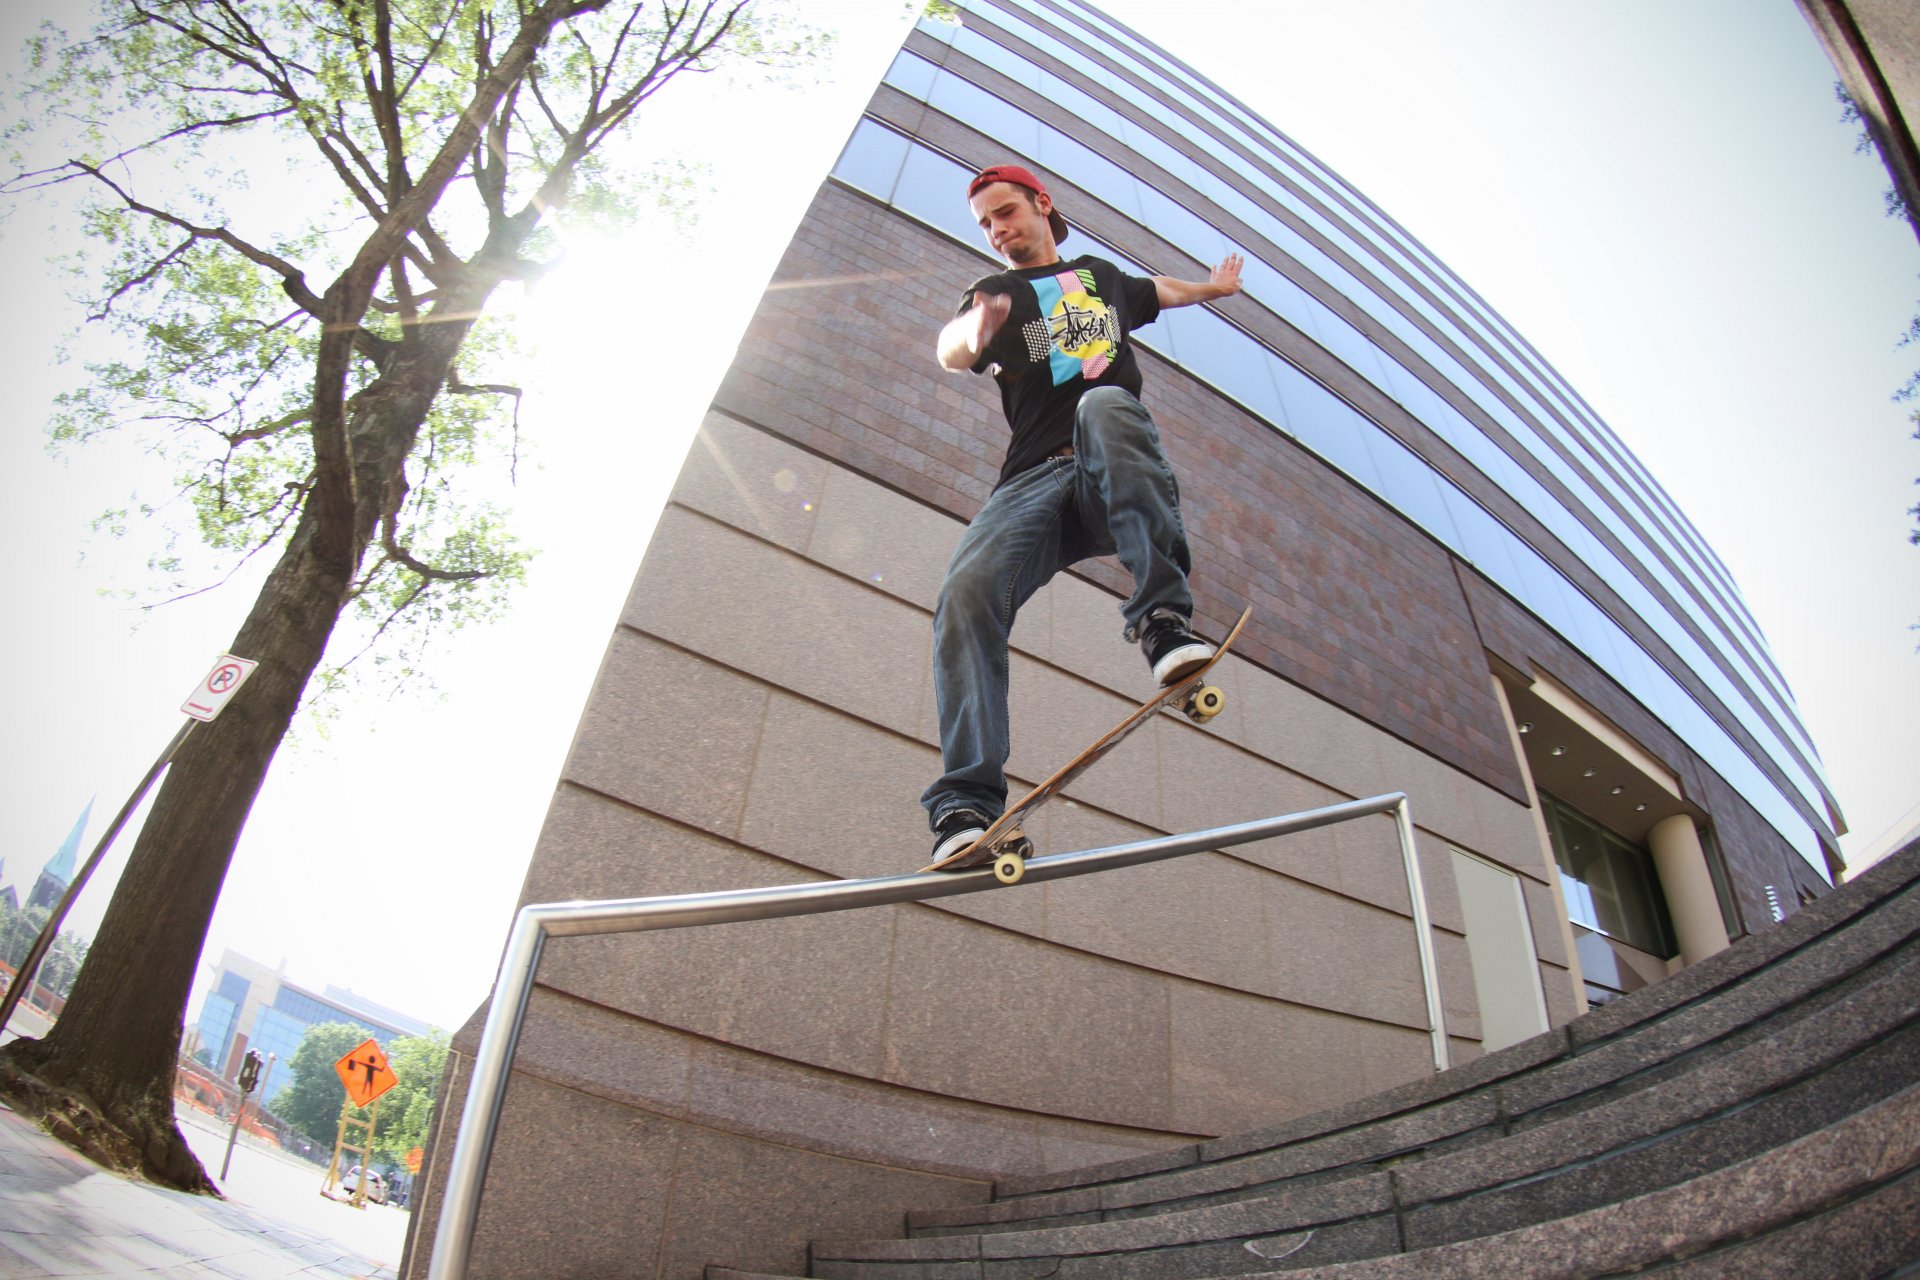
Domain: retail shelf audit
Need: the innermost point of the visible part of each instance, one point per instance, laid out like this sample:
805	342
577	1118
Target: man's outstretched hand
1225	278
1221	282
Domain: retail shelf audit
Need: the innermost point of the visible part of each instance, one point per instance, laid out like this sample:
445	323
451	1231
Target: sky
1659	197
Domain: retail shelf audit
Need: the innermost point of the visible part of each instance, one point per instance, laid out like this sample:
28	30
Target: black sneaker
1172	650
956	830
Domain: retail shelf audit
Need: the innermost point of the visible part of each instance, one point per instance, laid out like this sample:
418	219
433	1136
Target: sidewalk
61	1215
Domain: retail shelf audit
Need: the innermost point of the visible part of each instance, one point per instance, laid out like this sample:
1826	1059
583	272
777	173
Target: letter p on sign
228	674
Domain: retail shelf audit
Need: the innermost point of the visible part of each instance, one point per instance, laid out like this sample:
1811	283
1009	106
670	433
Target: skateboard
1006	845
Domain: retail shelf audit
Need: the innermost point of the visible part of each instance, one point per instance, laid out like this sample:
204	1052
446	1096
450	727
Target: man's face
1015	222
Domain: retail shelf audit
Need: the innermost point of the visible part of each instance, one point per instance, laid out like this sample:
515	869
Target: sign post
202	705
367	1075
249	1077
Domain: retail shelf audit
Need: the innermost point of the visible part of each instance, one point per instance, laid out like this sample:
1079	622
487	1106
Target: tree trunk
102	1080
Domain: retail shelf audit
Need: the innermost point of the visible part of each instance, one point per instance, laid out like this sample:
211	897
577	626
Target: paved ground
61	1215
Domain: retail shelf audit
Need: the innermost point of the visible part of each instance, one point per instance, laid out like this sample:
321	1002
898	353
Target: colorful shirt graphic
1082	333
1071	320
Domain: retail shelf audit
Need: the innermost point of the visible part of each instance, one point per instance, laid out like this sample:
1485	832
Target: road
288	1188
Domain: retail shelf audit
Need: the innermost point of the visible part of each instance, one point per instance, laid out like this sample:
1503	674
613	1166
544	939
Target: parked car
376	1185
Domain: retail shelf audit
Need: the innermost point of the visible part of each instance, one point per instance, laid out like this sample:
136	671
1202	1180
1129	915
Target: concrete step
1813	924
1777	1089
1542	1081
1756	1115
1844	1201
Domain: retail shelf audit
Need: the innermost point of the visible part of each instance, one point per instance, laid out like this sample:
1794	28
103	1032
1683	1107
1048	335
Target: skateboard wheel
1009	867
1208	702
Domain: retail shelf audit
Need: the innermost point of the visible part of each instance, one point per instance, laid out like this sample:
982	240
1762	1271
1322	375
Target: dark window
1609	882
1722	887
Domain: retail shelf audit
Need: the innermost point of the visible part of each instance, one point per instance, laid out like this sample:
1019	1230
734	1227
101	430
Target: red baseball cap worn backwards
1020	178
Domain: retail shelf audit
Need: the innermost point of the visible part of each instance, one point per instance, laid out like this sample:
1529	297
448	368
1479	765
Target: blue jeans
1115	496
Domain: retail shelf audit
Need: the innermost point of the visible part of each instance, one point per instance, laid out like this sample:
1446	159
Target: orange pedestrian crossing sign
365	1073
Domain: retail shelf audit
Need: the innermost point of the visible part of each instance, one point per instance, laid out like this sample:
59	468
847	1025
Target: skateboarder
1084	476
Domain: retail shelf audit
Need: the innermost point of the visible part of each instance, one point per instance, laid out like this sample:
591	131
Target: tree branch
432	52
598	121
236	57
267	429
420	588
346	143
389	542
224	122
385	105
290	492
128	286
459	388
292	279
406	304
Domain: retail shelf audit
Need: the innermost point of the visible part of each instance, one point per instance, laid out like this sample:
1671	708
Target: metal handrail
536	922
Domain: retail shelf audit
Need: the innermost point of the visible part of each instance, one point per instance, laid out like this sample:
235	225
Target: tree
20	927
313	1095
406	1110
310	362
312	1099
63	962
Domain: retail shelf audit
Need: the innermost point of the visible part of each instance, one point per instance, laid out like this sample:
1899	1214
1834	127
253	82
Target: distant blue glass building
254	1007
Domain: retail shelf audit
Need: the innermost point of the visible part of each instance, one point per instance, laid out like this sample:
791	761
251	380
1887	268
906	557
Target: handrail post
1423	933
480	1116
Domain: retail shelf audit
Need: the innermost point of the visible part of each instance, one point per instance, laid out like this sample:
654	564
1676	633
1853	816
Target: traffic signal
249	1071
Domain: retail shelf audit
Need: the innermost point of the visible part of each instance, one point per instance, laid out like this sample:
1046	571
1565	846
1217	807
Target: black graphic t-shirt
1066	332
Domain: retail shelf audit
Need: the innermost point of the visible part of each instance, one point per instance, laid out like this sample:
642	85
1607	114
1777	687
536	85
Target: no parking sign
228	674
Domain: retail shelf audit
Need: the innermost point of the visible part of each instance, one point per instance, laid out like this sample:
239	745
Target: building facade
251	1006
1463	588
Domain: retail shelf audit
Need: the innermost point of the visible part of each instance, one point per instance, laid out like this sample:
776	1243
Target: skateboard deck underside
1005	843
